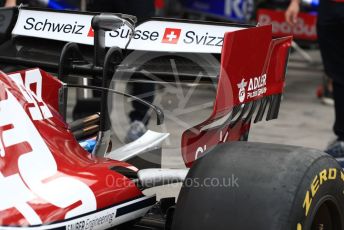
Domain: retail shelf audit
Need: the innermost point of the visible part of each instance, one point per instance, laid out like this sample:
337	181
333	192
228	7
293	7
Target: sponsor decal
143	35
37	107
54	25
104	219
305	27
223	137
325	176
152	35
125	33
242	90
256	87
235	10
28	183
171	36
48	26
239	9
252	88
101	221
90	33
206	40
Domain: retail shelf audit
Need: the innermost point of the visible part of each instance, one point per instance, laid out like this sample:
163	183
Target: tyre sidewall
322	182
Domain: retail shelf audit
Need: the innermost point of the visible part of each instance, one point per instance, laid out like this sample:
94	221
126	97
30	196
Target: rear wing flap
38	35
251	75
250	86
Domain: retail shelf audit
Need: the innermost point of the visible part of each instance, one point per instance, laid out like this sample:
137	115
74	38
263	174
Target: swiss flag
90	33
171	36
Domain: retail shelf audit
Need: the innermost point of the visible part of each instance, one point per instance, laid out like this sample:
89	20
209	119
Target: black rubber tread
273	181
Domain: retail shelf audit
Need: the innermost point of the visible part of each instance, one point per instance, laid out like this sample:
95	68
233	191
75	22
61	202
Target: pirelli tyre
244	186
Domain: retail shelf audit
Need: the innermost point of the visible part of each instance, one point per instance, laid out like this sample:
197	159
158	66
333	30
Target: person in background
330	28
142	9
8	3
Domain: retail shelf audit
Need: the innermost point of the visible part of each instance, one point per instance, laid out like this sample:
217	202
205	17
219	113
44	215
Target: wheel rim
327	217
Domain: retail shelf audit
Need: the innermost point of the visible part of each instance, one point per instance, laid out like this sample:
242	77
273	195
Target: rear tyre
262	186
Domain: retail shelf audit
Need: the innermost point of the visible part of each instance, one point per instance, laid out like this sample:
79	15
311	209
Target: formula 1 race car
50	180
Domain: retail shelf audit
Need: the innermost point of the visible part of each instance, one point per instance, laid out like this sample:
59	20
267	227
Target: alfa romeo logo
242	90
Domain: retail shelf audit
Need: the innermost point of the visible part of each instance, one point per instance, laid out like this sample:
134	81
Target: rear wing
250	77
250	87
35	37
161	35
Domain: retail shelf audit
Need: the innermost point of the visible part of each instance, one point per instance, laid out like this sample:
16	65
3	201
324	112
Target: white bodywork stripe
96	221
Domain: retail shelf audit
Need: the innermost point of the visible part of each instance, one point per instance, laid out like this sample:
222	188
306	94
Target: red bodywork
48	177
78	181
246	54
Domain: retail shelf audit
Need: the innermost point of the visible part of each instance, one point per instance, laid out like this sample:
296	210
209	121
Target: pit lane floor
303	119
